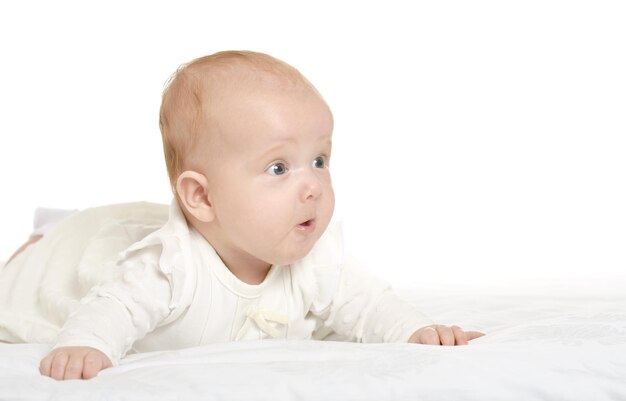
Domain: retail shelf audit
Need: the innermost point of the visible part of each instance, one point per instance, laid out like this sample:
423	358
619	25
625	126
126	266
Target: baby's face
268	175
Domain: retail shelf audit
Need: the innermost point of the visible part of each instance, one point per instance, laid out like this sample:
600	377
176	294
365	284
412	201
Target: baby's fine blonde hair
187	98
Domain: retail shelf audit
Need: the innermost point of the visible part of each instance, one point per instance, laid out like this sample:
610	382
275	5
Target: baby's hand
74	363
443	335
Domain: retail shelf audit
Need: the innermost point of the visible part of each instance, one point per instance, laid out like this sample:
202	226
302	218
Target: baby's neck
245	267
250	276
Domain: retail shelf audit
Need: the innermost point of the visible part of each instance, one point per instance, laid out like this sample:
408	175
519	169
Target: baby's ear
192	188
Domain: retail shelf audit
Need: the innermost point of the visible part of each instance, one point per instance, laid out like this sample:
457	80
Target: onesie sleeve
122	309
348	302
364	308
360	307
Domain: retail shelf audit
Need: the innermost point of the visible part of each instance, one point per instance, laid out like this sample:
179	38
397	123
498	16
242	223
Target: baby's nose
311	186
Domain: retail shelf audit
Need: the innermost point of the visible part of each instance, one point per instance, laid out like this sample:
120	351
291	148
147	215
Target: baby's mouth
308	225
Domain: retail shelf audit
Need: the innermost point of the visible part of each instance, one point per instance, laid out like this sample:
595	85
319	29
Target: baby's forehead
223	90
217	91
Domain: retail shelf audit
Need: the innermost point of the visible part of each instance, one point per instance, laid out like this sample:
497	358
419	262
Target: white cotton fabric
559	340
41	286
46	218
170	290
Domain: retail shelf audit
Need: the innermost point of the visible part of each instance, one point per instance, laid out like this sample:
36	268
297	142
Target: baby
246	249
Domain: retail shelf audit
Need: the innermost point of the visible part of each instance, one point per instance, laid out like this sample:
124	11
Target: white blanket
562	340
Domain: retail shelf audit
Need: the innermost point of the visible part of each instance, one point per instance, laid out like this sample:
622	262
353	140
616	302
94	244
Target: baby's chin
299	249
293	256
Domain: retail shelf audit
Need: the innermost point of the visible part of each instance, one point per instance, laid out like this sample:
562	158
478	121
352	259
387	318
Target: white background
474	140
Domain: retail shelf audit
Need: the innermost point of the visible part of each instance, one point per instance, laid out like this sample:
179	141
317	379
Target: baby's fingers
447	335
45	366
472	335
74	367
94	363
429	336
58	364
68	363
460	337
463	337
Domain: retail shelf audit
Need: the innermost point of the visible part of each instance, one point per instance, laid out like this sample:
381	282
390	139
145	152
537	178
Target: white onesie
171	290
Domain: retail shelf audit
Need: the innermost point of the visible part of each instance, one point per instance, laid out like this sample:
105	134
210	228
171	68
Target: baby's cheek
330	198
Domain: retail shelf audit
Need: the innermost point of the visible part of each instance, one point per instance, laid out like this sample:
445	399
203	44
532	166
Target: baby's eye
320	162
277	169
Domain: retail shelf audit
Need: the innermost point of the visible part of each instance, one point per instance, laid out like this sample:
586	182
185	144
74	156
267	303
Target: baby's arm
365	309
111	318
67	363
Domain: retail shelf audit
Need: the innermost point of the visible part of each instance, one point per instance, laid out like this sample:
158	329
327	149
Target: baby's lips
308	225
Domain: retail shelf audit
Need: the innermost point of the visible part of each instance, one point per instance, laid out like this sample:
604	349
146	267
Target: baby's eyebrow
327	140
325	137
273	149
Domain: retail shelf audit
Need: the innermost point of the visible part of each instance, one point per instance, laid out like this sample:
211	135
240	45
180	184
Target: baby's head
247	143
